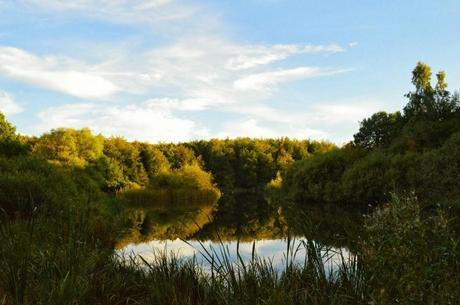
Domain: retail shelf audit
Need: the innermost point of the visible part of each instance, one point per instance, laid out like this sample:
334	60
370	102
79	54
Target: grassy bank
410	256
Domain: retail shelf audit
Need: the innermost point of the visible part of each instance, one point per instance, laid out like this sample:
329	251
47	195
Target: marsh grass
222	280
57	262
407	258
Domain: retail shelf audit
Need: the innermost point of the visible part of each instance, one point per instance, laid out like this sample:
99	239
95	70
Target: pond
273	251
238	229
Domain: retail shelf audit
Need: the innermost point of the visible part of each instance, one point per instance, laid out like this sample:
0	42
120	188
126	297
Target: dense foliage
414	151
252	163
411	257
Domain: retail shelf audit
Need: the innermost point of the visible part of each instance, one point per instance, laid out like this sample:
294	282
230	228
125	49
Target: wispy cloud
353	44
56	73
268	80
213	71
8	105
249	56
124	11
253	127
143	122
198	68
196	71
333	120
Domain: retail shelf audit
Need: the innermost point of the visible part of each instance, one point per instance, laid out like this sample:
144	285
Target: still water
238	229
272	250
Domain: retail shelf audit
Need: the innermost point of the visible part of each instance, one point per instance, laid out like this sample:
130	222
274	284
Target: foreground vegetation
69	197
406	257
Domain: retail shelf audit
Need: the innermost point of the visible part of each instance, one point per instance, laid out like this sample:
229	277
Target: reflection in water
246	217
273	250
148	224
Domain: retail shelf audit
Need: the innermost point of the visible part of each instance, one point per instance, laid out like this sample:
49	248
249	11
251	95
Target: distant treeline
116	165
413	151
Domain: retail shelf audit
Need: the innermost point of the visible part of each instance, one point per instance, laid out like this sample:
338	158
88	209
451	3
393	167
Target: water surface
240	226
271	250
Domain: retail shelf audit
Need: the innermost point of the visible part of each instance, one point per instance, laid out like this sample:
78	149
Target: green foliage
318	179
246	163
108	173
438	178
28	184
188	176
425	101
153	160
69	146
11	143
411	258
125	156
378	130
188	186
178	155
57	230
7	130
367	180
416	151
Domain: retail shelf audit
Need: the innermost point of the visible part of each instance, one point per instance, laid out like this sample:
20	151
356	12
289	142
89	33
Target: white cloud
125	11
56	73
174	104
335	121
353	44
200	70
344	112
144	122
249	56
252	127
8	105
196	69
267	80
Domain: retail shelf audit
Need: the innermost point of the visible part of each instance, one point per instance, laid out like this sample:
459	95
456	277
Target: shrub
411	256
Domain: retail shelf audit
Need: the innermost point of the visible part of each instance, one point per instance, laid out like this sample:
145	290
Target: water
273	250
236	226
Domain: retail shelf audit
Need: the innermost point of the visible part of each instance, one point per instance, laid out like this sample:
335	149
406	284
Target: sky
174	71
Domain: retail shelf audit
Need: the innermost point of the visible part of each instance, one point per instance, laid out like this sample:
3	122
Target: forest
67	199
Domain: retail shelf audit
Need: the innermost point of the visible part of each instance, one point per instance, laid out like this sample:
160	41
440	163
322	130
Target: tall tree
421	101
7	130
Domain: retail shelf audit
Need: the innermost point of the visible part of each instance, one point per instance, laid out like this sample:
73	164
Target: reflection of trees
149	224
330	225
244	215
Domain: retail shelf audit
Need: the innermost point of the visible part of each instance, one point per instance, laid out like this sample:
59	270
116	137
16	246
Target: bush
28	184
438	177
411	256
318	179
366	180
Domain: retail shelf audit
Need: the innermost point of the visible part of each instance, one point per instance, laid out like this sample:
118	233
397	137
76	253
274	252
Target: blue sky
171	70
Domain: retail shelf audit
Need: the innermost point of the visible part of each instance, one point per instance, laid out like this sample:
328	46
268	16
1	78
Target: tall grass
410	256
68	267
171	280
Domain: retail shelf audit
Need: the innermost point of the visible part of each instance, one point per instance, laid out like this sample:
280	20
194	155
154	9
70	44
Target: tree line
117	164
413	151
